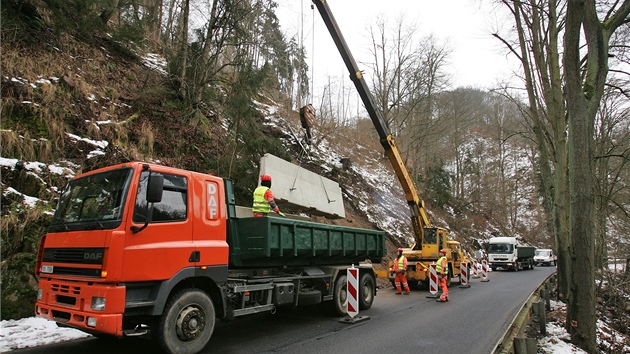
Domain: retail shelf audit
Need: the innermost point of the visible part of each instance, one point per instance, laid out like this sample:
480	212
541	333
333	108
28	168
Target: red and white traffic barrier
433	281
463	275
484	271
475	269
353	296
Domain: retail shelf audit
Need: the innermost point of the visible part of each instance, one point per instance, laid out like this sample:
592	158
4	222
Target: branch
620	89
496	35
620	206
624	155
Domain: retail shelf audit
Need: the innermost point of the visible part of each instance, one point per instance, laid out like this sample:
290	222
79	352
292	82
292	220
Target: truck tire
340	296
187	322
367	284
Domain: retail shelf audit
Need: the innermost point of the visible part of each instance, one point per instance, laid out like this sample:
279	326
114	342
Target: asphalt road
473	321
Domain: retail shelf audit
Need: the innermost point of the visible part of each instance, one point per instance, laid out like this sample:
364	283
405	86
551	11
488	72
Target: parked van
544	256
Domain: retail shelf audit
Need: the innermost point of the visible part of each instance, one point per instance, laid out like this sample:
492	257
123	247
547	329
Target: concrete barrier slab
300	189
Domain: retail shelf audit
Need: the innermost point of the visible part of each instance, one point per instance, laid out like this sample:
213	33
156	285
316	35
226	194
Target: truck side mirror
155	189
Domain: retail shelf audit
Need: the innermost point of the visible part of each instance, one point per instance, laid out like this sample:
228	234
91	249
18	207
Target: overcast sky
477	60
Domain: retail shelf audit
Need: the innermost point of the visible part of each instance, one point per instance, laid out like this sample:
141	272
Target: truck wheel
340	296
366	291
187	322
413	284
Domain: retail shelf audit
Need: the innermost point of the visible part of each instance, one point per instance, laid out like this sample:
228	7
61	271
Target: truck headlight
98	303
40	294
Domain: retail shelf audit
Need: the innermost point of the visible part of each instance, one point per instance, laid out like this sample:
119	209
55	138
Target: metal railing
514	340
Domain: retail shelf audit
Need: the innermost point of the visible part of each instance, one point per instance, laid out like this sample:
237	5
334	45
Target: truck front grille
74	255
65	295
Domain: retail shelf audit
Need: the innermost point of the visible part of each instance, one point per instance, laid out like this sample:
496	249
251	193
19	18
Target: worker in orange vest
442	271
399	268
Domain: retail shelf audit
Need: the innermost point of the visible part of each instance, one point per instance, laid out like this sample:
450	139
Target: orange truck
140	248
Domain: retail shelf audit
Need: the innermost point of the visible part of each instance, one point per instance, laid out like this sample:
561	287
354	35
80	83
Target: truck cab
508	253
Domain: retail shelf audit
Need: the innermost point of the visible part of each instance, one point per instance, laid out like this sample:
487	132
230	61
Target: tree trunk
549	123
583	99
583	85
203	68
183	49
107	13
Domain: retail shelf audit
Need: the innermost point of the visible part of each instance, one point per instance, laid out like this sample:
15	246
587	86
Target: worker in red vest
442	271
263	198
399	268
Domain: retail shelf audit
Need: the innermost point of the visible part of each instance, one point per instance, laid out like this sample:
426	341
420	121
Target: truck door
210	226
165	245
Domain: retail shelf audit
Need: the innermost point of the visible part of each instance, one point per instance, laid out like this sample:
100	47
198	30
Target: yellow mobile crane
428	239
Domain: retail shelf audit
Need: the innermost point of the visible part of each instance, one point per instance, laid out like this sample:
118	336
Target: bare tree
585	78
388	81
458	109
182	47
553	113
428	80
407	76
537	49
612	159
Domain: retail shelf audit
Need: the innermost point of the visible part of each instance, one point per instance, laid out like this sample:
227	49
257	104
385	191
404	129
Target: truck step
136	332
139	304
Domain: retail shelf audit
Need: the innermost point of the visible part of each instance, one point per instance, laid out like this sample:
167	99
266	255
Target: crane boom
419	218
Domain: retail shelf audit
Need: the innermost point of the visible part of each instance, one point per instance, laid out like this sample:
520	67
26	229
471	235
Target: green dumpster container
276	242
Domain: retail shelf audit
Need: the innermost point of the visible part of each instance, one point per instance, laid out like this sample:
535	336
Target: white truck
508	253
544	256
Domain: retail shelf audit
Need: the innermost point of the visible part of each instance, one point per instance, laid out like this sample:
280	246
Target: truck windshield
500	248
92	202
430	236
542	253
